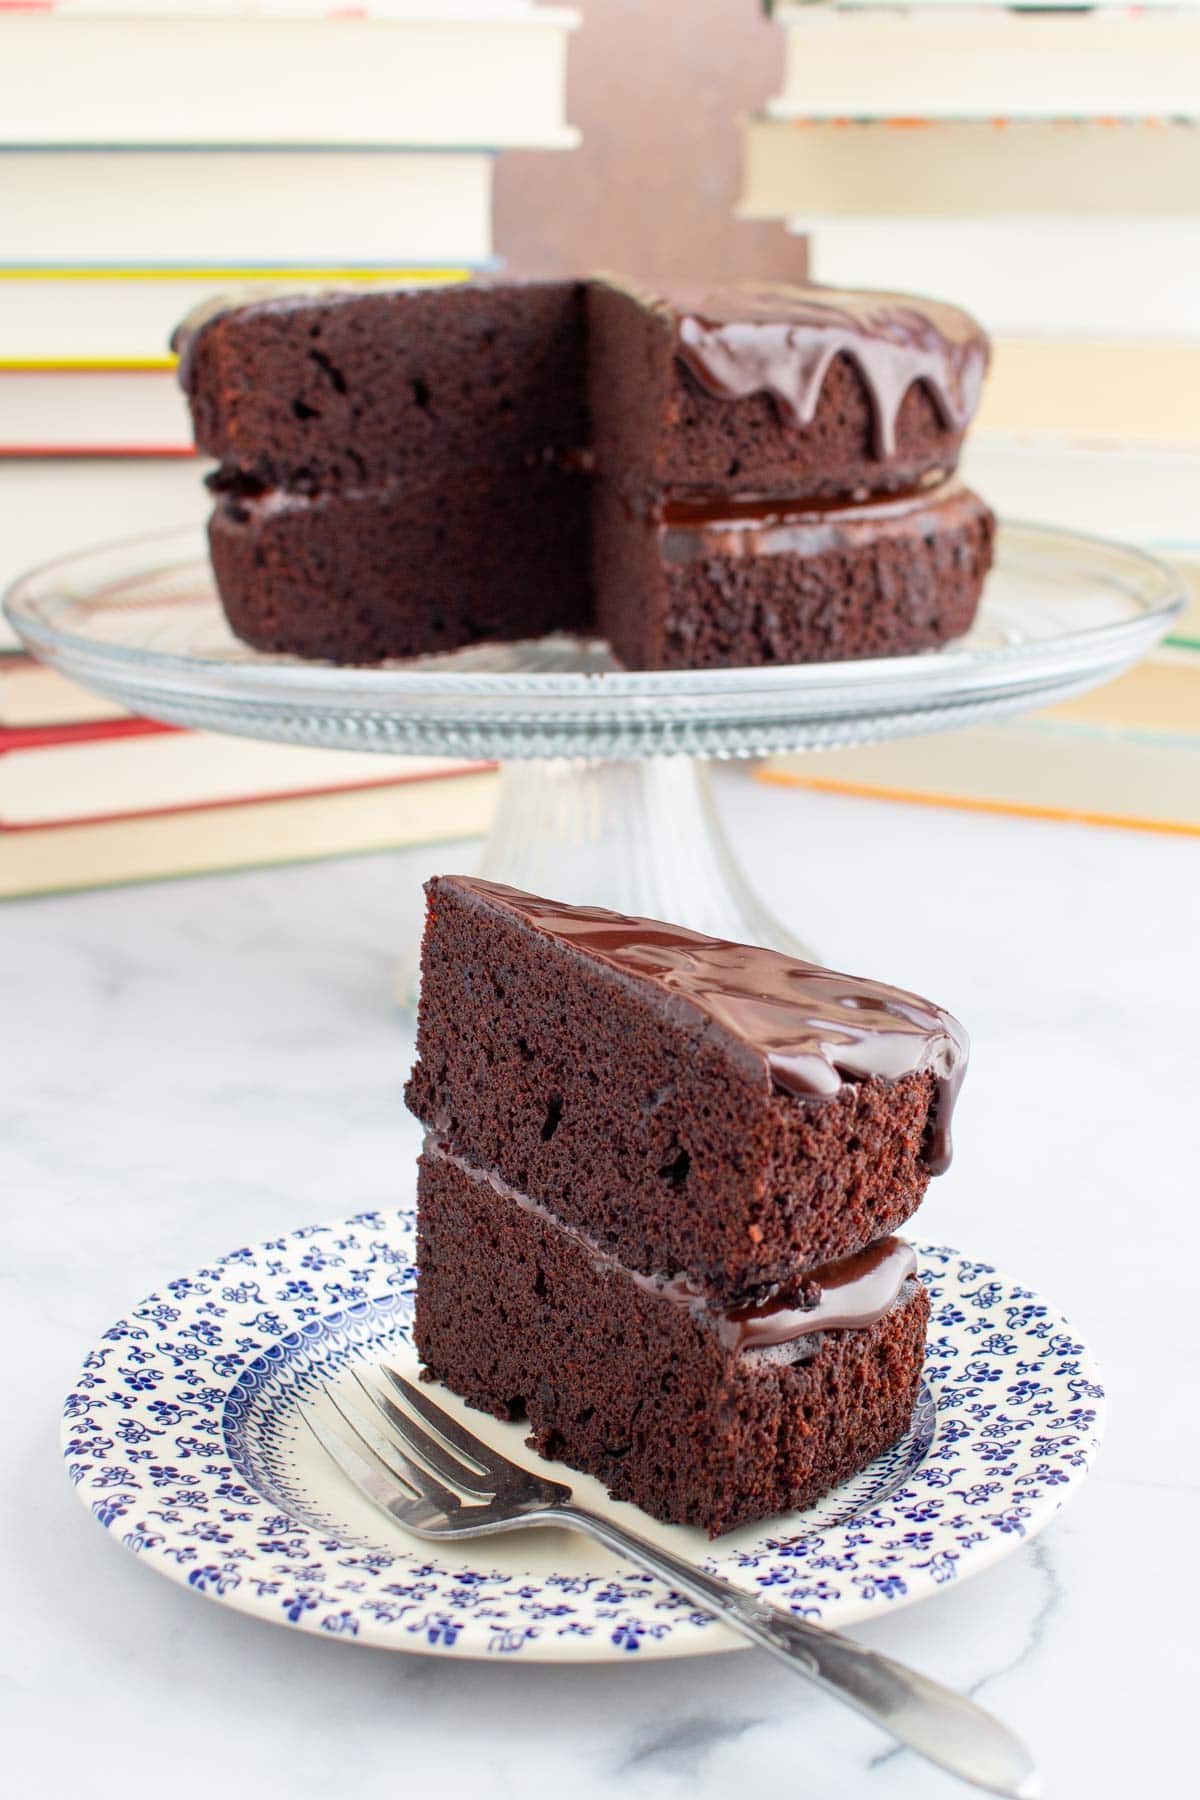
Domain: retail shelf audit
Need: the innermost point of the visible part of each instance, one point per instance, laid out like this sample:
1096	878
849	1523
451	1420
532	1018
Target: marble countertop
203	1063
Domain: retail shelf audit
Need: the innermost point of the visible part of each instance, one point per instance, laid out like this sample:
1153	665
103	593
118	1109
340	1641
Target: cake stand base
637	836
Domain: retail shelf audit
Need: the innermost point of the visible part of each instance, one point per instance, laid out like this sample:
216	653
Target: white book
225	208
50	507
778	7
460	10
448	75
932	63
68	412
965	168
107	315
164	771
32	695
250	834
1142	494
1095	390
1113	277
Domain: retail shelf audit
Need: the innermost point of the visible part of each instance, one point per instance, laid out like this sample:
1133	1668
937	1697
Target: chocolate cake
758	474
658	1197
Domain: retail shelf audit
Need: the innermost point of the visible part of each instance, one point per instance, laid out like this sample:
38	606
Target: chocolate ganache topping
776	339
809	1029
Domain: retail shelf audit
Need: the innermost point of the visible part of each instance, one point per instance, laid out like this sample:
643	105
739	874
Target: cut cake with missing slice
710	479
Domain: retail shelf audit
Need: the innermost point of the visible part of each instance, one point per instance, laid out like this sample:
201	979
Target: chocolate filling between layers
845	1295
696	526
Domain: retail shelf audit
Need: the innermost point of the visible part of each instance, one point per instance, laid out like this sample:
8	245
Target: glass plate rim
881	675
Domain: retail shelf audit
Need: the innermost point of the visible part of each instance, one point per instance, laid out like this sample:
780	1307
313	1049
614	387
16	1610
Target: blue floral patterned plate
183	1438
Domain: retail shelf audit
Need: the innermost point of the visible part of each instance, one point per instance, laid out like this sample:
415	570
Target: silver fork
442	1482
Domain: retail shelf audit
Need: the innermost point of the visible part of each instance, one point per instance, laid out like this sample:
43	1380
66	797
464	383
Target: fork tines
420	1476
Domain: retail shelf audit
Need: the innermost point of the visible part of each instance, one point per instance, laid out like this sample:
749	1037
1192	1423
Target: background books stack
1127	754
1042	167
151	155
86	806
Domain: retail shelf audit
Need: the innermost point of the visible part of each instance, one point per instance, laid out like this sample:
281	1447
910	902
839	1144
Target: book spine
48	737
187	807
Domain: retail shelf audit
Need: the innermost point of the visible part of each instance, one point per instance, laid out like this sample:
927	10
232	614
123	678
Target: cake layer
712	1109
406	570
338	390
712	582
800	391
622	1379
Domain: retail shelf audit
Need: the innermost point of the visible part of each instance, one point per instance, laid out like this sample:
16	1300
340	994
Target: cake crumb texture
636	1389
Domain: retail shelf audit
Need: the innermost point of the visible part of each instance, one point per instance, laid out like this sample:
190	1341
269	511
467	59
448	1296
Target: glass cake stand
602	793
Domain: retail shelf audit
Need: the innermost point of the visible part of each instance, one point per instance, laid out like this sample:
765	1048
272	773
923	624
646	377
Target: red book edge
193	806
45	737
34	452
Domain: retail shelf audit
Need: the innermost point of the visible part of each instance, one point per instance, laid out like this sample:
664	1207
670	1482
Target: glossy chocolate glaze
810	1030
775	339
845	1295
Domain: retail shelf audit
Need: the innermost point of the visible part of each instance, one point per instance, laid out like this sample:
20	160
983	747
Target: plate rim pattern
155	1435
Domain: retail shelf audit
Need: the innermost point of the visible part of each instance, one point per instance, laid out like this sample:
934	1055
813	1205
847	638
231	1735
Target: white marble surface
202	1063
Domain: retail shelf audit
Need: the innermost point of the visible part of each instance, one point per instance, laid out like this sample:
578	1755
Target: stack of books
129	800
151	155
1040	166
1126	754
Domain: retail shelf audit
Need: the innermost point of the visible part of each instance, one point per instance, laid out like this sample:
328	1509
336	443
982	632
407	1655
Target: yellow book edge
1125	754
203	272
862	790
87	365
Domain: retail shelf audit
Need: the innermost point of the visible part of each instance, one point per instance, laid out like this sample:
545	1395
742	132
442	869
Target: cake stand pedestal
643	834
603	796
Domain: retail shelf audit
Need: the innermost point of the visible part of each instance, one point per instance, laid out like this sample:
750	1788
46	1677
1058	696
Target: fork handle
945	1727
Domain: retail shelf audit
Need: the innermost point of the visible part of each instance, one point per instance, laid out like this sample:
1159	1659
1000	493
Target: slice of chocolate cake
658	1193
759	474
401	472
